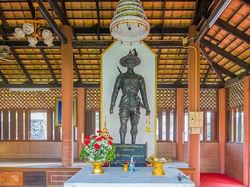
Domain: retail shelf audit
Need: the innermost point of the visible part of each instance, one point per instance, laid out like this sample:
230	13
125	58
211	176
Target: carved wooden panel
11	178
29	99
93	96
34	178
235	96
208	99
59	177
166	99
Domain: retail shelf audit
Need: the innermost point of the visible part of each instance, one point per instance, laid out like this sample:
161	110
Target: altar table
116	177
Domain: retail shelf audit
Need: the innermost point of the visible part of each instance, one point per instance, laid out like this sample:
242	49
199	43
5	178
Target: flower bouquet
98	148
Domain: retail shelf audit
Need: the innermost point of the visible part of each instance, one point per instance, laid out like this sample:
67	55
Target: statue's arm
117	86
144	95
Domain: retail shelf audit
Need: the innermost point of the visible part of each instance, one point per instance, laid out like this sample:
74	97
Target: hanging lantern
129	23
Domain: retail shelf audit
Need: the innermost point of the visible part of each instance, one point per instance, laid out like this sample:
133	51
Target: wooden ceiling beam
49	65
77	85
31	9
5	80
217	68
206	75
51	22
229	28
59	12
247	2
156	31
5	38
25	72
93	44
217	11
225	54
77	70
3	20
101	9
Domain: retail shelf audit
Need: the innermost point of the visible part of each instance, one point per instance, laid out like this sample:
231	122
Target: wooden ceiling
225	47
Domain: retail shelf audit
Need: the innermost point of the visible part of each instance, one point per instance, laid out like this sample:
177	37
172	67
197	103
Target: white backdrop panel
110	62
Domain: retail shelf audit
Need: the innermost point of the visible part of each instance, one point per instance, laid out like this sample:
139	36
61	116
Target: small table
116	177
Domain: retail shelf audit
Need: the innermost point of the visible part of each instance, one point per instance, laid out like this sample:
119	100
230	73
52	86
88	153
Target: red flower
110	138
110	143
99	131
86	142
100	138
97	146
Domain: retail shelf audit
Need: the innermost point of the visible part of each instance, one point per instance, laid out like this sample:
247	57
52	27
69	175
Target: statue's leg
134	119
124	115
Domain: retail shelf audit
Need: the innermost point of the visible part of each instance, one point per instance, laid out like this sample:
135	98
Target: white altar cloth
115	177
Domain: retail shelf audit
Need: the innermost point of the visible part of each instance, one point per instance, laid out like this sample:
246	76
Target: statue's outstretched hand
111	110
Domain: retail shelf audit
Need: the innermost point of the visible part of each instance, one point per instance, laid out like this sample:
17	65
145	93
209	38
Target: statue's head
130	60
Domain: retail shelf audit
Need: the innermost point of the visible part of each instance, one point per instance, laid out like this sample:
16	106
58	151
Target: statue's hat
130	56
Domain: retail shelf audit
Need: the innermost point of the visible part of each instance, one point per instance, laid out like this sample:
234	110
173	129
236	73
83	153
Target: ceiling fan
5	53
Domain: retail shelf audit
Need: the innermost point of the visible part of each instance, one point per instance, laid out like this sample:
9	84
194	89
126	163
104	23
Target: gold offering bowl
158	165
97	168
158	168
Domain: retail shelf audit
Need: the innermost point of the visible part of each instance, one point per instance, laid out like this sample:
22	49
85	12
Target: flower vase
97	168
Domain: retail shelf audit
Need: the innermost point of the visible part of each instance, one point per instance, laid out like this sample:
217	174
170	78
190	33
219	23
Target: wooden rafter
76	70
49	65
206	74
54	5
31	9
225	54
51	22
22	67
25	72
5	80
212	18
229	28
157	31
217	68
96	44
183	67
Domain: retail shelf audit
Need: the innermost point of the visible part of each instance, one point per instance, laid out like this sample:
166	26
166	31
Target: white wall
110	61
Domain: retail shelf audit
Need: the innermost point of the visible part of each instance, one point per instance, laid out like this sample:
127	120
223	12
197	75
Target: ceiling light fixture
34	32
129	23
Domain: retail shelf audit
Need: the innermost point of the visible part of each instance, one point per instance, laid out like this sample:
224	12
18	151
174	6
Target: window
38	126
236	125
209	126
97	121
165	126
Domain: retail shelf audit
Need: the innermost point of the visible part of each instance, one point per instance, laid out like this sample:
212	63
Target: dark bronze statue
130	83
